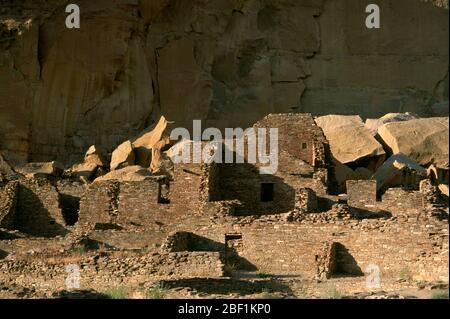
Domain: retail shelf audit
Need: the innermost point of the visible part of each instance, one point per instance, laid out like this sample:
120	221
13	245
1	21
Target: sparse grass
116	293
263	275
405	274
229	269
157	292
333	293
440	294
80	250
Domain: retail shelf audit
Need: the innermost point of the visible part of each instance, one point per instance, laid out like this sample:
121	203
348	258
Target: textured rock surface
123	156
390	174
424	140
227	62
349	139
33	170
128	174
374	124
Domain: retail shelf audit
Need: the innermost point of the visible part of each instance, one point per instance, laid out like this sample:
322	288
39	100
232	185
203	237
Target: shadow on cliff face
33	218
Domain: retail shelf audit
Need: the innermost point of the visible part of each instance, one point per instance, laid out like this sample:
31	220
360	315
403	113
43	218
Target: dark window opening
70	206
267	192
304	146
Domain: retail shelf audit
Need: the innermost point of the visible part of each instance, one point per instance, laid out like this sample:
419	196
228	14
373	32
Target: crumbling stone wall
95	204
139	202
306	200
362	194
398	200
186	190
8	204
48	273
38	212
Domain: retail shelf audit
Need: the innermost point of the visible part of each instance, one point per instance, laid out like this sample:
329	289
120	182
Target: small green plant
229	269
159	291
405	274
333	293
440	294
80	250
262	274
116	293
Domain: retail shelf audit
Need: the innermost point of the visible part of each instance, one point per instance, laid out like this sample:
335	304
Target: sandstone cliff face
227	62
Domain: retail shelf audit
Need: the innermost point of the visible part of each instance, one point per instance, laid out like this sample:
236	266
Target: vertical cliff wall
227	62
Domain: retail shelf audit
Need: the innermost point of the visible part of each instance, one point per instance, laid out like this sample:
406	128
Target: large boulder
349	140
149	144
122	156
424	140
85	171
134	173
95	156
374	124
399	170
40	170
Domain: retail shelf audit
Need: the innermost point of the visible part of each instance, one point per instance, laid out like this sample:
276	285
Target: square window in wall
267	192
304	146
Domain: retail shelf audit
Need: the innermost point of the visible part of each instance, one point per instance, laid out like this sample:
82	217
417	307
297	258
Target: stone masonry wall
8	203
362	194
103	271
38	212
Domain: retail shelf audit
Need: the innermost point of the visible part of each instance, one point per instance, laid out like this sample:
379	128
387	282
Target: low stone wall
362	194
100	272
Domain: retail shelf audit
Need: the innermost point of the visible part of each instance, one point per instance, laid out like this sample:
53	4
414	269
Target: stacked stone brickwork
362	194
38	212
8	203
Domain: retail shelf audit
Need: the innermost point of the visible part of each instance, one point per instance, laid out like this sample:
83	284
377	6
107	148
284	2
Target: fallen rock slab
425	141
397	171
84	170
40	170
349	140
374	124
95	156
150	143
122	156
134	173
444	189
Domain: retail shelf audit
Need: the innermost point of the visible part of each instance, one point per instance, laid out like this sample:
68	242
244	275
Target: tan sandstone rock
398	170
84	171
94	156
423	140
349	139
374	124
122	156
36	170
444	189
149	144
134	173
